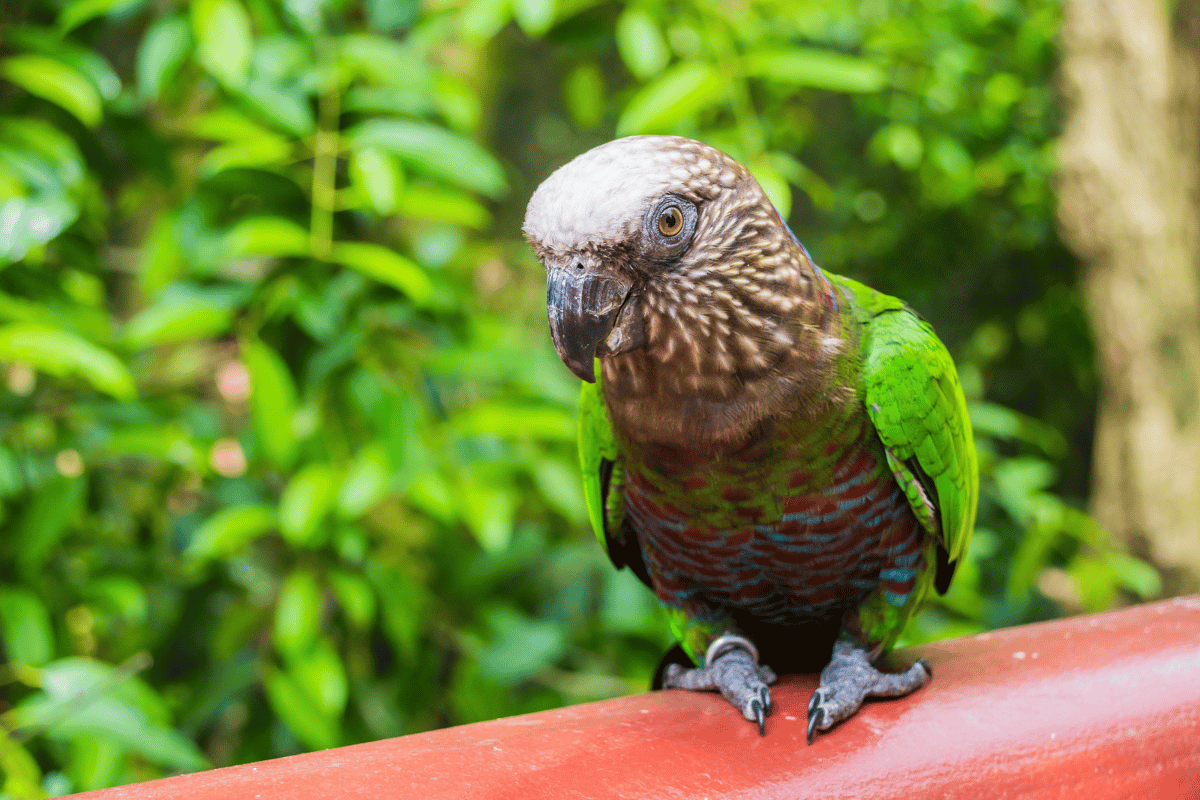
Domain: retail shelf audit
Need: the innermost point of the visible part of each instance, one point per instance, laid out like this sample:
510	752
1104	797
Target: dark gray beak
591	314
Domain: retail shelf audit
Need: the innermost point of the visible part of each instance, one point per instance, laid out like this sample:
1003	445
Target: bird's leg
849	678
730	667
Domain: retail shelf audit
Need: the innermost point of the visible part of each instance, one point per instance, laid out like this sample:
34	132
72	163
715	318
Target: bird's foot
731	667
849	678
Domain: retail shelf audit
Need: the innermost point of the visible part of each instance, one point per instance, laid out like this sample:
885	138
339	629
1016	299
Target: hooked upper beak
591	313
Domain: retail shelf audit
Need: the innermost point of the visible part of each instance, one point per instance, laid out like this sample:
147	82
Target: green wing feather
913	397
598	444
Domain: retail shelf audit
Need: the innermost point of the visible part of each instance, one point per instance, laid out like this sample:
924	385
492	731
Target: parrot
783	455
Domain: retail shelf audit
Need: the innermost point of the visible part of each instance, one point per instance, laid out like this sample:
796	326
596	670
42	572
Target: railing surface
1090	708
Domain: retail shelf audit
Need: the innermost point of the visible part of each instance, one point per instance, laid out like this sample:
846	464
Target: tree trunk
1130	205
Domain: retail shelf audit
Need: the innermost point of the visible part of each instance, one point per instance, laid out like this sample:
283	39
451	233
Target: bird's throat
702	394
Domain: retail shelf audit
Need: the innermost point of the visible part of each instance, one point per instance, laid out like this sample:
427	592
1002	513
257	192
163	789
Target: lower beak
589	314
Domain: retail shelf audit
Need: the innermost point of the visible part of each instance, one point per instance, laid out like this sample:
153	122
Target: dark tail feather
945	569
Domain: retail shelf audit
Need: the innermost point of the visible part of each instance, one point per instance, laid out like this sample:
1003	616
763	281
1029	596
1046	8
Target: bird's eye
670	221
667	227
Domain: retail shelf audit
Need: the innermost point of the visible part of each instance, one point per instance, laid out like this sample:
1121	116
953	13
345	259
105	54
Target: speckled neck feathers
745	329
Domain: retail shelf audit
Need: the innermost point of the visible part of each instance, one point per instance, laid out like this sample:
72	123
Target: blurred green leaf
391	15
31	222
11	480
307	13
168	443
457	101
22	776
681	91
88	63
223	39
640	43
628	605
263	152
1096	581
177	320
225	124
355	595
377	178
385	266
517	422
272	402
95	762
366	482
287	110
229	530
62	161
45	520
85	700
305	502
297	613
483	19
899	143
996	420
520	647
299	711
534	16
384	61
583	95
1136	575
820	69
489	512
320	674
80	11
25	624
19	310
1019	484
402	101
267	236
121	594
434	150
1051	522
442	205
61	353
76	677
562	488
162	51
56	82
162	259
431	494
402	607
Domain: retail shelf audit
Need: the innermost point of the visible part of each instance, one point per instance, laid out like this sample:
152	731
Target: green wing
603	475
597	445
913	397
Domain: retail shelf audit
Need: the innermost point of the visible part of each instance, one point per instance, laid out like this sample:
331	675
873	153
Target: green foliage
286	458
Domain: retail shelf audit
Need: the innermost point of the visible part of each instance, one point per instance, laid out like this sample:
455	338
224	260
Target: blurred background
287	459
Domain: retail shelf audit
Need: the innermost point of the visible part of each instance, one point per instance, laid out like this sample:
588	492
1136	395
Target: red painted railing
1090	708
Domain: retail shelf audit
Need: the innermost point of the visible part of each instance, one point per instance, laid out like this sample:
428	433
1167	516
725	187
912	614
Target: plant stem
325	149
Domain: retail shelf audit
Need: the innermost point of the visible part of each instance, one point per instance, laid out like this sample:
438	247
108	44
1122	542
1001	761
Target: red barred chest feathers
799	524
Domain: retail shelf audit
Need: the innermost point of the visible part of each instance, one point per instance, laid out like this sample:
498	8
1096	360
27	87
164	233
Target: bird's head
662	241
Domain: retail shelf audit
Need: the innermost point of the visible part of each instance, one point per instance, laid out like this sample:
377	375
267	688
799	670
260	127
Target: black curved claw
757	707
813	715
812	703
925	666
765	694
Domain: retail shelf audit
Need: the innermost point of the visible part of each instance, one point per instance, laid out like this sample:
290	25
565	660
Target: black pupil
671	221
